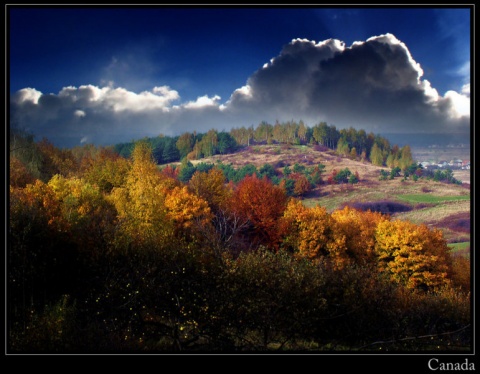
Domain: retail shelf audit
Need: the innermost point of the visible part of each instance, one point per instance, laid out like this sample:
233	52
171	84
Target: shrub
320	148
383	206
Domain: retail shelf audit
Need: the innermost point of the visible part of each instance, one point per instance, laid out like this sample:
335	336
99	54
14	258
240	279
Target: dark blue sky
213	51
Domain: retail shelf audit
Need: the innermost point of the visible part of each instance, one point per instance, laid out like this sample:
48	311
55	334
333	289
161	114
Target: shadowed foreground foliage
183	300
142	262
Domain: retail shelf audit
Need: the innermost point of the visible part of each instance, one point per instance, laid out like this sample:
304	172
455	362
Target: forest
109	251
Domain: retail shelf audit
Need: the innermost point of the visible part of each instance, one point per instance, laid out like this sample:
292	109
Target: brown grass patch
459	222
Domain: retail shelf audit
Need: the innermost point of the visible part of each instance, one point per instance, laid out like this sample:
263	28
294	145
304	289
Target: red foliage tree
263	204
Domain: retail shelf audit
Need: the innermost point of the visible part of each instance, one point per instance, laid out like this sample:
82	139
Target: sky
105	75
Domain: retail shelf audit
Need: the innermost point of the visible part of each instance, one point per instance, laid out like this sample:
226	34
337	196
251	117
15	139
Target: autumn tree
22	147
56	160
302	184
141	203
413	255
311	234
359	230
208	144
105	168
343	148
185	144
189	212
320	133
262	203
264	132
461	268
170	172
20	176
302	131
90	217
210	186
406	158
376	156
353	153
39	251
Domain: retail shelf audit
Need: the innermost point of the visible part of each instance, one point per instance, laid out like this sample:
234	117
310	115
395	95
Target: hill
436	204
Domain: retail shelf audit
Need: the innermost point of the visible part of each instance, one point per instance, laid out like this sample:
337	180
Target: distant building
466	165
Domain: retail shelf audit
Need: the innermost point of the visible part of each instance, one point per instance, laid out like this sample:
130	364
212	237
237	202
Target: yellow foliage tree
141	203
413	255
312	234
211	187
359	230
90	216
105	169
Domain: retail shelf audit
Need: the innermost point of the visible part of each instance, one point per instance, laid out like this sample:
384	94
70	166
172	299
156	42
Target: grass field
459	246
430	199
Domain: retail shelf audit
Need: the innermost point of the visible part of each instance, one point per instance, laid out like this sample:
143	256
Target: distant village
452	164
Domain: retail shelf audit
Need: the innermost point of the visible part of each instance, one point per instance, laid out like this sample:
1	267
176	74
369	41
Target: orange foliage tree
170	172
189	212
301	186
19	174
262	204
413	255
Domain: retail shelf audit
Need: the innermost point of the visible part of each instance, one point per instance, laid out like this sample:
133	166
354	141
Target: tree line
107	254
356	144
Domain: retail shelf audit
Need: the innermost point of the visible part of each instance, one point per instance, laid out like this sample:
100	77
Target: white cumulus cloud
202	101
27	95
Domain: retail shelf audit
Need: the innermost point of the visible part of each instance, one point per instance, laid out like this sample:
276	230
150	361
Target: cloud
27	95
79	113
109	115
202	102
374	84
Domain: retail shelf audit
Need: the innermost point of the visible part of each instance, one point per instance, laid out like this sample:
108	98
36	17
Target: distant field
459	246
440	205
462	175
430	199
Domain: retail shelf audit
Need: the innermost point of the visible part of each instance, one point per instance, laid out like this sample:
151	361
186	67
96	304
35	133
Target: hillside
441	205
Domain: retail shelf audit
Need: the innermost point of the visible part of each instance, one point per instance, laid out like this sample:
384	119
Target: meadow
435	204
